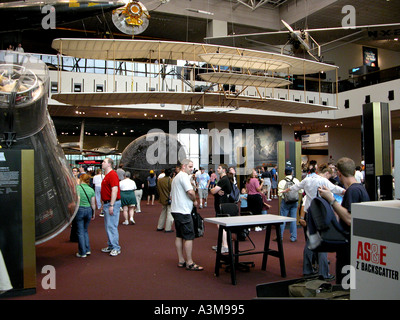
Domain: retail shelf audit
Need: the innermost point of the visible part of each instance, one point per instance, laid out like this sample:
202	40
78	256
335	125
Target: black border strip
384	231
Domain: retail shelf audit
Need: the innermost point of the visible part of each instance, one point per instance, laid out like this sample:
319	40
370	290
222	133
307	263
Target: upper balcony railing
188	71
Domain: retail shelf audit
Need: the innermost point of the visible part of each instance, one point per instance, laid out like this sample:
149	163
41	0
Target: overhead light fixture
200	11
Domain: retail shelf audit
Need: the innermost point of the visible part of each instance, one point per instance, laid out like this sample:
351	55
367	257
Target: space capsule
26	124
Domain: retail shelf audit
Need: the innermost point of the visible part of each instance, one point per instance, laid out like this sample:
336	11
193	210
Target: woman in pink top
254	199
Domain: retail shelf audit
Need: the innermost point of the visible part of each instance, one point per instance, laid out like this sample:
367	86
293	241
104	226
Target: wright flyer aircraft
226	74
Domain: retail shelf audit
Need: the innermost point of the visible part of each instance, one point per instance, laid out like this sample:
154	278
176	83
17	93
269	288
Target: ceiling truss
254	4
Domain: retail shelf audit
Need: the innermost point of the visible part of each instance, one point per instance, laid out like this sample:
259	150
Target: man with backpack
289	202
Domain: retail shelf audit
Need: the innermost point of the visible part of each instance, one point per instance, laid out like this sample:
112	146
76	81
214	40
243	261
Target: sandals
194	267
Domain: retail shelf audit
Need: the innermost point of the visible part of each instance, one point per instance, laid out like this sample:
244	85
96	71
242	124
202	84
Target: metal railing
190	72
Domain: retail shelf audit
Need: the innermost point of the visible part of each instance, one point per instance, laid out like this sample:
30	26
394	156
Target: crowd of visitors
109	192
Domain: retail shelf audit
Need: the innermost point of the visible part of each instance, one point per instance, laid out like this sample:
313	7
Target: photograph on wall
265	142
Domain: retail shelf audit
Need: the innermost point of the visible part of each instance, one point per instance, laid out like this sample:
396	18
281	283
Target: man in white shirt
311	184
183	197
358	175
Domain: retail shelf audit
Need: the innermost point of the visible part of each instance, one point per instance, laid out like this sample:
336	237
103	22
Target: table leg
231	256
280	250
218	255
266	247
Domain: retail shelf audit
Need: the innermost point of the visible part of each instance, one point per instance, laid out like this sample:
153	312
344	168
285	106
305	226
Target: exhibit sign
17	222
375	250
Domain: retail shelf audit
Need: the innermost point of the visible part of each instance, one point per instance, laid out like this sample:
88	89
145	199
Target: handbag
198	223
87	198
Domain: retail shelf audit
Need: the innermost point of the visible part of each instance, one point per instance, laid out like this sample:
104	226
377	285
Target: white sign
375	250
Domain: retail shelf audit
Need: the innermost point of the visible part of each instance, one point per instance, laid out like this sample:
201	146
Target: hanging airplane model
301	40
103	150
78	146
75	145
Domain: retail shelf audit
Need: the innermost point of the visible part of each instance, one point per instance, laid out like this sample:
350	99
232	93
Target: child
243	200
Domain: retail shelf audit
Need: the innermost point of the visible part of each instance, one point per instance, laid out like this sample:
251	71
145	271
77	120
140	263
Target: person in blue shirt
151	187
203	183
274	183
243	200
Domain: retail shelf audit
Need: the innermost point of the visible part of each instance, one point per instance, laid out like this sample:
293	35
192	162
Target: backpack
198	223
235	194
324	232
291	196
320	289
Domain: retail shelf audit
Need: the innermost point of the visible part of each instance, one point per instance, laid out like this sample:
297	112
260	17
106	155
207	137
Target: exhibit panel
17	222
375	247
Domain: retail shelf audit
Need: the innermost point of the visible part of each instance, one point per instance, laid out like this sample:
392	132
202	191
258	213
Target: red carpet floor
147	267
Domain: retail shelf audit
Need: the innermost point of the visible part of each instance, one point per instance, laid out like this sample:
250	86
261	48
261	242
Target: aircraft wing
89	152
323	36
272	38
70	145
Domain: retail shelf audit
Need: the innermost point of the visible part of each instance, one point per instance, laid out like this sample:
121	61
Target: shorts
183	226
152	190
128	198
203	193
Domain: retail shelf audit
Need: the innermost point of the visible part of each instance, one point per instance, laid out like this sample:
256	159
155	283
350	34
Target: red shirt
110	180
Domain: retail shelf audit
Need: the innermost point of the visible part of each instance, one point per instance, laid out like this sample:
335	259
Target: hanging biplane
242	68
302	42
